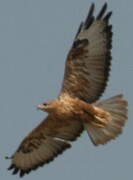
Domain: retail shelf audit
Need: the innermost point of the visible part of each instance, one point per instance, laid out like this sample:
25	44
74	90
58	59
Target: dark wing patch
88	62
78	48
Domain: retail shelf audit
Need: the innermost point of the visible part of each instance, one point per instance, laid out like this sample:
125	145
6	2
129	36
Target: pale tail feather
117	107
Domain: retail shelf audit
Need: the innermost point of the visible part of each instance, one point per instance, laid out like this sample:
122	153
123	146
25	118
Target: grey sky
35	36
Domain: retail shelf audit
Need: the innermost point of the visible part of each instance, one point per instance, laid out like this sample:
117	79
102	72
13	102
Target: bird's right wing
44	143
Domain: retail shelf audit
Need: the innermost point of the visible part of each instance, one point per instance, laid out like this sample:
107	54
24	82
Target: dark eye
45	104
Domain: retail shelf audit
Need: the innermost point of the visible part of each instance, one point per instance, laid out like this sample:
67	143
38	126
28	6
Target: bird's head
48	106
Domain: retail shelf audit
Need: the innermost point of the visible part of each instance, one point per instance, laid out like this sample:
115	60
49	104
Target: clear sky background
35	36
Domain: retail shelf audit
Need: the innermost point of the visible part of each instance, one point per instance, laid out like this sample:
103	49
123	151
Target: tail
116	107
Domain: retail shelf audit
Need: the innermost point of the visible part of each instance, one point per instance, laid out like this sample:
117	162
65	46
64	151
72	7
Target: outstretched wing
44	143
88	62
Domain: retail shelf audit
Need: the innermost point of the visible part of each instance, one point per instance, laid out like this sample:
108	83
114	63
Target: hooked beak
40	107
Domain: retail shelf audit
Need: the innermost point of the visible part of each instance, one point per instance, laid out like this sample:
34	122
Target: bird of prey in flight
76	108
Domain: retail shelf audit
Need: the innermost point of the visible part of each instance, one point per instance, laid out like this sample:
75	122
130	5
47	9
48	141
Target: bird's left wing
88	62
44	143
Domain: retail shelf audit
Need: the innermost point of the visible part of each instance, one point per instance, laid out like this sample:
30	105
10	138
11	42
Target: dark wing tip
15	171
103	10
88	21
107	17
90	17
101	15
91	10
11	167
22	173
79	29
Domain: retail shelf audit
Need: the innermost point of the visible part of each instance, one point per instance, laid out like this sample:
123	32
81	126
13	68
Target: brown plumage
75	109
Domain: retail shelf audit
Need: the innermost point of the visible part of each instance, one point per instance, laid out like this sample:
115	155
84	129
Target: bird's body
76	108
67	108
